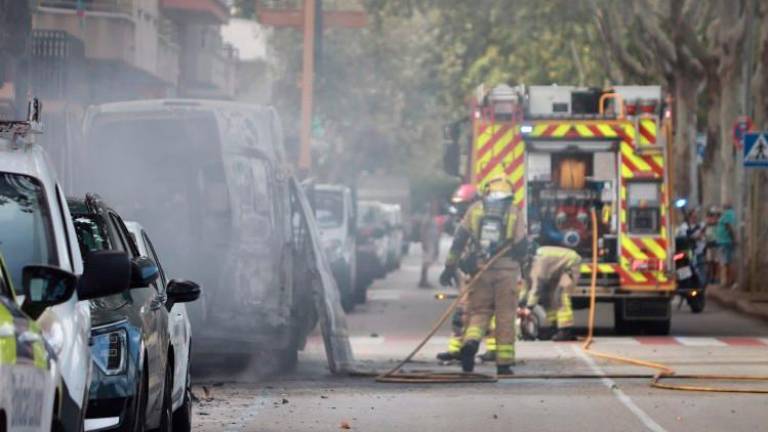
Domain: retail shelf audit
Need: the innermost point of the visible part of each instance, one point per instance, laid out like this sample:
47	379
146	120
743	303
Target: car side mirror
106	273
182	291
45	286
144	271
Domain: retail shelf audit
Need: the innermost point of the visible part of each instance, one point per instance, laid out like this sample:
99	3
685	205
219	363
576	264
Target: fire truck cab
570	149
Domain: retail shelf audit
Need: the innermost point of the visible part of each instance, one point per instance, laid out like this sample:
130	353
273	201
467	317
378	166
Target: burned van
208	179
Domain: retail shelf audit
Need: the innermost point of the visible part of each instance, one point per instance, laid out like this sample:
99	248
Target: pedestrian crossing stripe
756	149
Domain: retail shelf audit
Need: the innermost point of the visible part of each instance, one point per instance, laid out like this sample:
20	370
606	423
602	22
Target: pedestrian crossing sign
756	150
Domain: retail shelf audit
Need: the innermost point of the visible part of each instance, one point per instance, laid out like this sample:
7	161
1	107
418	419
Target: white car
395	234
180	331
335	215
36	228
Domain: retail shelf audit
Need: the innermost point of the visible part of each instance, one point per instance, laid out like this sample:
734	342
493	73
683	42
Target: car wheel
182	418
347	302
166	416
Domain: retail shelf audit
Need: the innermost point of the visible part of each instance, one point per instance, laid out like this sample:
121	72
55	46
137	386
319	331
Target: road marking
657	340
620	395
700	342
743	342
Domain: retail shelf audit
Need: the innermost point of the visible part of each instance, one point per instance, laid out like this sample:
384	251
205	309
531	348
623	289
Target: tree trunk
686	100
729	109
711	170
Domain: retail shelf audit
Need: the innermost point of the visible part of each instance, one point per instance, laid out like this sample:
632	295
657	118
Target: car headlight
109	351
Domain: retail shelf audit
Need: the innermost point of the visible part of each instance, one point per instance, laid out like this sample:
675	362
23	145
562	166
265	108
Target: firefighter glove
449	277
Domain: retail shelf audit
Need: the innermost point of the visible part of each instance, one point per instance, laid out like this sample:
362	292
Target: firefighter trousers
495	293
552	282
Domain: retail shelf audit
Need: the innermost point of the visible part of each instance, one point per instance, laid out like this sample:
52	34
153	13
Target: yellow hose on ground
662	371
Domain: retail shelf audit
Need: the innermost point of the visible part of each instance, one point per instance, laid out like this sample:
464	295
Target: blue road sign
756	149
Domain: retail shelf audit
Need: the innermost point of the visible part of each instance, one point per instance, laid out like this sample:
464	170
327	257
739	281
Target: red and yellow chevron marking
647	128
606	268
582	129
500	150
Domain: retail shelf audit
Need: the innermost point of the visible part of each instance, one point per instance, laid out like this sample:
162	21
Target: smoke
212	211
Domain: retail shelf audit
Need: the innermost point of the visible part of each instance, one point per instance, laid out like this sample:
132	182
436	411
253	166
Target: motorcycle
690	286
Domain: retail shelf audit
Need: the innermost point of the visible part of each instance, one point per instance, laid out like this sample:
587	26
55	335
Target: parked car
372	246
223	212
395	236
131	347
28	375
180	330
37	229
335	215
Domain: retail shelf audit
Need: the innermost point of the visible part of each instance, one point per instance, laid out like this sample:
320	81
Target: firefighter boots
468	351
564	335
504	370
448	356
488	357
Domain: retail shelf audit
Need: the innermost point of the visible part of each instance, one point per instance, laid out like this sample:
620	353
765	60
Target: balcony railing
124	7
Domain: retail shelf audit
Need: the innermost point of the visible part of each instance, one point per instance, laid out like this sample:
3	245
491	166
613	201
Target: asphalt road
397	315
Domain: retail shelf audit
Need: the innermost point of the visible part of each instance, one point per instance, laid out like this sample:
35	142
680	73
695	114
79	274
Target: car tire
289	356
361	291
166	415
182	418
347	302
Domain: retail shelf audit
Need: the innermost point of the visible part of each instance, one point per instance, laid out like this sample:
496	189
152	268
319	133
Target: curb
726	299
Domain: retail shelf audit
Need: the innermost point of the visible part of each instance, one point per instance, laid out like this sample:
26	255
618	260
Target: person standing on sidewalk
430	243
725	236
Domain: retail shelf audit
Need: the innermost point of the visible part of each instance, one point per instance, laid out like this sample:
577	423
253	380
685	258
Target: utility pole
312	20
307	87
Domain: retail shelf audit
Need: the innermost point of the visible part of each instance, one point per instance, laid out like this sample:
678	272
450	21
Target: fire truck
569	149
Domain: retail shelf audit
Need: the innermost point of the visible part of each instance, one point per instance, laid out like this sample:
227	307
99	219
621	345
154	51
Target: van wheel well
3	423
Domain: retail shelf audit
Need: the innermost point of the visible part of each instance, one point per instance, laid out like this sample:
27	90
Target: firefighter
490	226
464	196
554	273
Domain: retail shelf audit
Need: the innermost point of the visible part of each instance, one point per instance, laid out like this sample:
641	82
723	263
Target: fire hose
662	372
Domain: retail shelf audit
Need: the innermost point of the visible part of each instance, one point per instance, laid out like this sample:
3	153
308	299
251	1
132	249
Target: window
26	232
153	255
329	209
91	234
124	235
644	207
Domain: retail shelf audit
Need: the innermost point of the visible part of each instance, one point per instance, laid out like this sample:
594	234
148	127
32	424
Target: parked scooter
690	286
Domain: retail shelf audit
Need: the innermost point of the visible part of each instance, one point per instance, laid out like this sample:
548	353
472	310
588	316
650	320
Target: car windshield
329	209
26	232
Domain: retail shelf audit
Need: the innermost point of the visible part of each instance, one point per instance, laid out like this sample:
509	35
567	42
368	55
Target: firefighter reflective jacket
467	237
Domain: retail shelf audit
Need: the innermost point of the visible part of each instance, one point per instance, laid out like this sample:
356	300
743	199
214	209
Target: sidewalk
752	304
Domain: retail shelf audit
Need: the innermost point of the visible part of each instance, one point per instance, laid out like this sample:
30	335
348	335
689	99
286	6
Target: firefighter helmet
465	194
499	188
